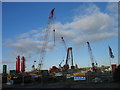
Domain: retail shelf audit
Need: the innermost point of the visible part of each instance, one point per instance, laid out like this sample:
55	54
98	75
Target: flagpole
110	53
111	56
110	64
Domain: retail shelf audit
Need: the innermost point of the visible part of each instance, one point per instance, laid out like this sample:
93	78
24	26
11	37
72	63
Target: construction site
70	75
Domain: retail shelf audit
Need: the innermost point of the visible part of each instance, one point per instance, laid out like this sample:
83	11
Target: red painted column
23	64
18	64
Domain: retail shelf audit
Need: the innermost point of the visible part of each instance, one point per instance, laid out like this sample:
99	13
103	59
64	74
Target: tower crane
91	57
46	36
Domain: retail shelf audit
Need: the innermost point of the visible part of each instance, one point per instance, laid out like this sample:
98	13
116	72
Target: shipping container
12	72
44	72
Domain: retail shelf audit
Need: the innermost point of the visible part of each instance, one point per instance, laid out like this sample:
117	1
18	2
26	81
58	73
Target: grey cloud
92	37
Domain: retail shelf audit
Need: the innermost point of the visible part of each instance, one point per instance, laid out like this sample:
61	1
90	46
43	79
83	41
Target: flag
111	53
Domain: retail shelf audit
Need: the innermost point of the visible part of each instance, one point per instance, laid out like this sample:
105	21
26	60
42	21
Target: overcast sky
24	25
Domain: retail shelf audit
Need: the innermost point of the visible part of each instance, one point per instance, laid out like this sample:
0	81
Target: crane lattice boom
91	56
46	36
64	43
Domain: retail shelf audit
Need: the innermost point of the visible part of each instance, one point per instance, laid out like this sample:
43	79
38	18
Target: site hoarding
76	76
79	76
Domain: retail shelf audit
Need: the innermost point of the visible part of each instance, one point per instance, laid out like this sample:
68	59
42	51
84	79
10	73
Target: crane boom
64	43
69	55
54	36
91	56
61	63
46	36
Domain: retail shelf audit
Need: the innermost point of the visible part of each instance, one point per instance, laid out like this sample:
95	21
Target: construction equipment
54	36
69	58
46	36
33	66
61	63
69	55
66	49
64	43
94	67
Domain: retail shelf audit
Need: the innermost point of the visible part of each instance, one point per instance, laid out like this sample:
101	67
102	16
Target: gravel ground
65	85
